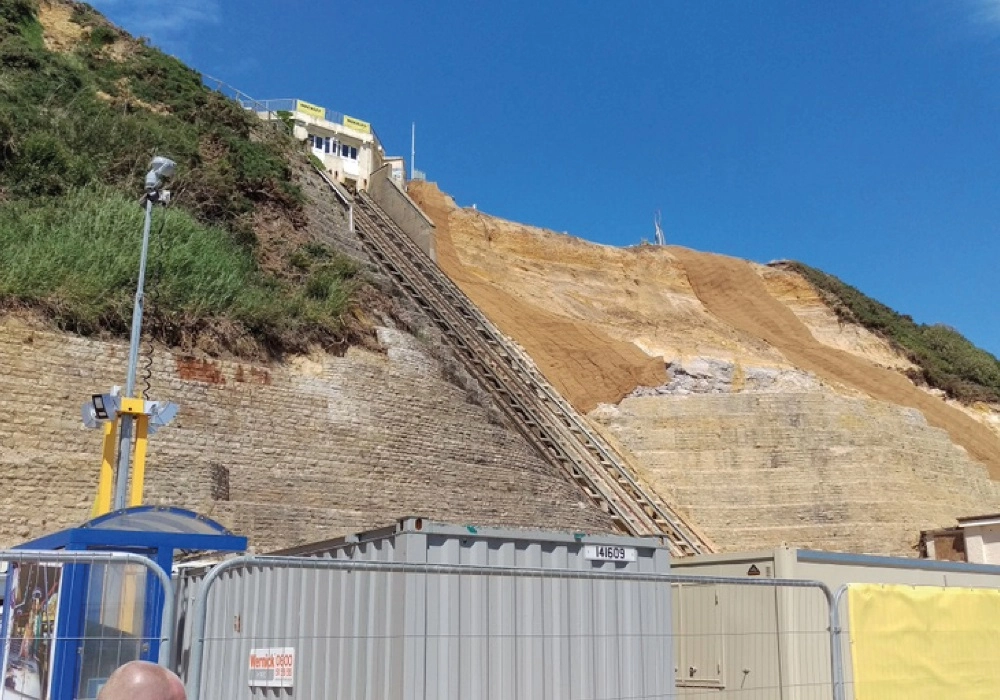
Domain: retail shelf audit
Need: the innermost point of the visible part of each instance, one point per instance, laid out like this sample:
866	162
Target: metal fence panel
408	631
71	618
384	629
755	642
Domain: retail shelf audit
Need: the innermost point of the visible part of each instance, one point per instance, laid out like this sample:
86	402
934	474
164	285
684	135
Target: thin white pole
125	443
413	149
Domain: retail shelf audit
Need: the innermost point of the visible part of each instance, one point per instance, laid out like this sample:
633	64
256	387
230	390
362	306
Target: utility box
540	627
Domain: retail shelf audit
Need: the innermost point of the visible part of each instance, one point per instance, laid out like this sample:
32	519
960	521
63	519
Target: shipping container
544	615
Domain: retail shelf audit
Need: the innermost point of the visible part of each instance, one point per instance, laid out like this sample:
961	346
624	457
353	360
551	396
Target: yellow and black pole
140	412
127	418
106	482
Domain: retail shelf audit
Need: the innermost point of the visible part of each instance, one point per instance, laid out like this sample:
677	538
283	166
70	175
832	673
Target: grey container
528	631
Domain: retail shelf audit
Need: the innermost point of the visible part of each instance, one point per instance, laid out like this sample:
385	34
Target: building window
344	150
354	153
326	145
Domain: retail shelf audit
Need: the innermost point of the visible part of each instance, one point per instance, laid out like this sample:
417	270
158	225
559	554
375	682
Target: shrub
43	167
18	12
17	53
101	36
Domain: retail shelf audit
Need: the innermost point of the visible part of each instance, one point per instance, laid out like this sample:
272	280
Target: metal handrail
270	108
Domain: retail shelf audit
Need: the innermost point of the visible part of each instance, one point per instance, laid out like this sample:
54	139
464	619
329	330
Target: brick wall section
810	469
314	448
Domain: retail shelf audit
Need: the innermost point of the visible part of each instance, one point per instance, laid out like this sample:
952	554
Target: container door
698	640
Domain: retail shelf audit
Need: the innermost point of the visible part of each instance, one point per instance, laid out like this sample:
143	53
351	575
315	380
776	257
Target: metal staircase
545	419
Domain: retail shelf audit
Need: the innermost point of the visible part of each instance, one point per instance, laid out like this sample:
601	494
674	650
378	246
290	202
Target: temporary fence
905	642
72	617
769	639
316	627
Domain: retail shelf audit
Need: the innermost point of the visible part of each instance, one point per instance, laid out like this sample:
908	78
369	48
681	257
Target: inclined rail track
537	410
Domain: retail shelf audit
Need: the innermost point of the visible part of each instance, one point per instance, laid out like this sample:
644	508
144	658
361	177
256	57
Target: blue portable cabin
107	614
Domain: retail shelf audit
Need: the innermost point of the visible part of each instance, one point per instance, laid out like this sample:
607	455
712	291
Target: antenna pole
660	238
413	148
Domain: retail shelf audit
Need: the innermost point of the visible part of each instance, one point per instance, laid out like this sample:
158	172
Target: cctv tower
128	420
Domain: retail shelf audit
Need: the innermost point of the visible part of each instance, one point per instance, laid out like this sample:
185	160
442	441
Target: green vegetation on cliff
947	361
78	127
67	258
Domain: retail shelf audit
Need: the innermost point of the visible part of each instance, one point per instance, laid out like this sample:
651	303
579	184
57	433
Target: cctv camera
164	167
160	168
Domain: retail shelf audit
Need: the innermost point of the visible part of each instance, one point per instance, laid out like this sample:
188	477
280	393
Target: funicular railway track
546	420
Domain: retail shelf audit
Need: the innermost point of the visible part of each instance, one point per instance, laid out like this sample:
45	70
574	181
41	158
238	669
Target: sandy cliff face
859	468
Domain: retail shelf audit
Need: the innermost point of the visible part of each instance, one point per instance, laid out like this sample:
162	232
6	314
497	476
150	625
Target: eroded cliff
790	426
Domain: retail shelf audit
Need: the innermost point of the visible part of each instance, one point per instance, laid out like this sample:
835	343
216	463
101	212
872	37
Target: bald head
141	680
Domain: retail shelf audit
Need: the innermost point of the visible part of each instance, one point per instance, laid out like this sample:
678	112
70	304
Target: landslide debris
733	292
583	361
942	358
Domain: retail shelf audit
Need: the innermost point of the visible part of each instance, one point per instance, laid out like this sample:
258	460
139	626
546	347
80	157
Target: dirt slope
731	290
585	364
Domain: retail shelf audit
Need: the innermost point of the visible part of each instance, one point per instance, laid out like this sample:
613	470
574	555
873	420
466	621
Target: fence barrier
909	642
72	617
345	628
764	641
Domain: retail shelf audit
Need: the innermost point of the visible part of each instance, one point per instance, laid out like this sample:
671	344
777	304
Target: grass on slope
947	361
76	258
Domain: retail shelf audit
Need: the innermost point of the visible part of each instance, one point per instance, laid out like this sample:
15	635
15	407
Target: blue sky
861	137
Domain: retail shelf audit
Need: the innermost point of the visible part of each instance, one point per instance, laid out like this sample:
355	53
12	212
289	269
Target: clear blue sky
861	137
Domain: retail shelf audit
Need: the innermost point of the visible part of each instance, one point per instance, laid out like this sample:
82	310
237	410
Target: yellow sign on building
357	124
310	109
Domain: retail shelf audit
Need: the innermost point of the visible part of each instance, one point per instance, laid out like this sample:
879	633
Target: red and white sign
272	668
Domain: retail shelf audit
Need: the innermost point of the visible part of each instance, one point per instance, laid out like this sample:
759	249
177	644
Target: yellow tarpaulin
924	643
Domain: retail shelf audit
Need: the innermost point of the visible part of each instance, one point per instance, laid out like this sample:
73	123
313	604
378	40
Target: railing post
839	684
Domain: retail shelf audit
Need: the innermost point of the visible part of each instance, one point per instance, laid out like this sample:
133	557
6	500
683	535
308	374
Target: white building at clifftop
348	147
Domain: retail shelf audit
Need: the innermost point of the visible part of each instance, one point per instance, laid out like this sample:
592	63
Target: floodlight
105	405
164	167
89	415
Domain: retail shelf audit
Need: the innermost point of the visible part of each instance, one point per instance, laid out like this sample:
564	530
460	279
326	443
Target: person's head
142	680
